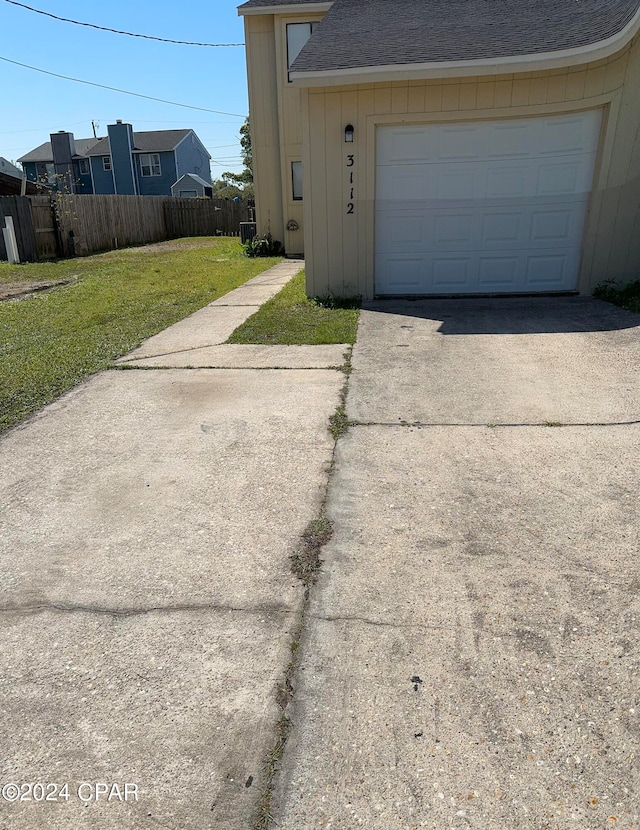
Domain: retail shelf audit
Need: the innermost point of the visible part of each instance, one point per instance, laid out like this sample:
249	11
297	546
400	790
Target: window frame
106	163
84	163
289	26
151	165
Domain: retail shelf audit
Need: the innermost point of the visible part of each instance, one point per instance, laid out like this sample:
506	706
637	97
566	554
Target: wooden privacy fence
62	225
204	217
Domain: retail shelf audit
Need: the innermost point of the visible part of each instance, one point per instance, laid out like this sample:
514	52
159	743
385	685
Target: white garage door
483	207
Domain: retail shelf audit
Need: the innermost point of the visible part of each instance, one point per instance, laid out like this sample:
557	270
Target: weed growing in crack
306	562
264	818
338	422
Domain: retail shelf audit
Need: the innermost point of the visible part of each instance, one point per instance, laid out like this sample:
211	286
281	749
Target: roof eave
287	8
535	62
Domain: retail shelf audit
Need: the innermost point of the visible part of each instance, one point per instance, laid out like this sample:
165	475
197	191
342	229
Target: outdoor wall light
348	134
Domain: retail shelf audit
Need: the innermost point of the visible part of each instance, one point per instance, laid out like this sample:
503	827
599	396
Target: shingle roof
253	4
44	153
150	141
362	33
194	177
9	169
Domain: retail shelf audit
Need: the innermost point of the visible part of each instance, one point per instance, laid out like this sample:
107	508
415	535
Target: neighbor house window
83	167
150	164
296	180
297	35
106	162
45	173
188	194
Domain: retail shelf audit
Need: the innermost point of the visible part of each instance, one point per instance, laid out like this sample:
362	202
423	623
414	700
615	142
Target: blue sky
34	105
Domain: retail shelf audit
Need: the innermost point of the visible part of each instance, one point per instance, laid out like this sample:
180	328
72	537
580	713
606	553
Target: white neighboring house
191	186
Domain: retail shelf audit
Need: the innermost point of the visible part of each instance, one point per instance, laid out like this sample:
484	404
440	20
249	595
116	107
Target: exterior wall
192	157
157	185
30	169
340	246
102	179
275	106
265	129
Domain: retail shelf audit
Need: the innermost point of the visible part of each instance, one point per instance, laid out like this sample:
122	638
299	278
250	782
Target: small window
83	167
188	194
297	35
106	162
296	180
150	164
46	173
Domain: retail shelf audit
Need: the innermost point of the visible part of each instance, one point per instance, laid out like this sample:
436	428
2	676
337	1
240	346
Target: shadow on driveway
511	315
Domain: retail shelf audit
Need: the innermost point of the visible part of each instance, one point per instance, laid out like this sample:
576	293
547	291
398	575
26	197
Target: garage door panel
486	206
453	274
501	228
549	270
509	140
574	176
404	274
499	273
460	143
569	134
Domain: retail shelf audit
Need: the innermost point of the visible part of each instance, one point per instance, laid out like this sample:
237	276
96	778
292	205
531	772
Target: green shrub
627	296
263	246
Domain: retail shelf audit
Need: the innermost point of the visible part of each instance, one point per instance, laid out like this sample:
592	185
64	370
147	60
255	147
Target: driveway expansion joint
305	564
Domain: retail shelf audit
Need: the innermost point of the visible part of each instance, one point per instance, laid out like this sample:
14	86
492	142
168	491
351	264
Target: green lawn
50	341
627	296
291	318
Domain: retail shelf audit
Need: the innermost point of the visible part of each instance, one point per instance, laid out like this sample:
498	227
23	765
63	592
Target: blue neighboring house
124	162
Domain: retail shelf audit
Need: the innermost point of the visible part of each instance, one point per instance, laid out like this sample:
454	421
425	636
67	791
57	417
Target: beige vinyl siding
265	132
275	106
341	248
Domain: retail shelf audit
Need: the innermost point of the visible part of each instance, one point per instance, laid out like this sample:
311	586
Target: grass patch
626	296
51	340
291	318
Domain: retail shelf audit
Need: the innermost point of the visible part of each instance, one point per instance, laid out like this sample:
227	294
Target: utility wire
117	31
122	91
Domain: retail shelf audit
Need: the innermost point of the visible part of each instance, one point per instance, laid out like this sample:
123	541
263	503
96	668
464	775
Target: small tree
242	181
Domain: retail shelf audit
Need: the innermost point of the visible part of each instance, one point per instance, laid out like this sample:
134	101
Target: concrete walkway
147	602
472	651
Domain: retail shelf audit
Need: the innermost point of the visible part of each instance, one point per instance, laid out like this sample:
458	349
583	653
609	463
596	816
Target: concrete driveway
147	603
471	657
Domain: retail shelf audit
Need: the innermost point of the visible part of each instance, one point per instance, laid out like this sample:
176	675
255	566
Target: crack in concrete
378	623
490	425
68	608
129	367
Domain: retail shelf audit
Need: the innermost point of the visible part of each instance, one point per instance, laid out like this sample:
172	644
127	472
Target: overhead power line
117	31
121	91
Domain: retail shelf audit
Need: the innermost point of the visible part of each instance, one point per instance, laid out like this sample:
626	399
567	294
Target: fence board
44	226
19	209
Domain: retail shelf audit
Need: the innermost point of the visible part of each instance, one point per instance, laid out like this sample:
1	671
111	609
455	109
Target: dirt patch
14	290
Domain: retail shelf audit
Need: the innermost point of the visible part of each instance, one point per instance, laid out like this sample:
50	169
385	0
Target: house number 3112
351	163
